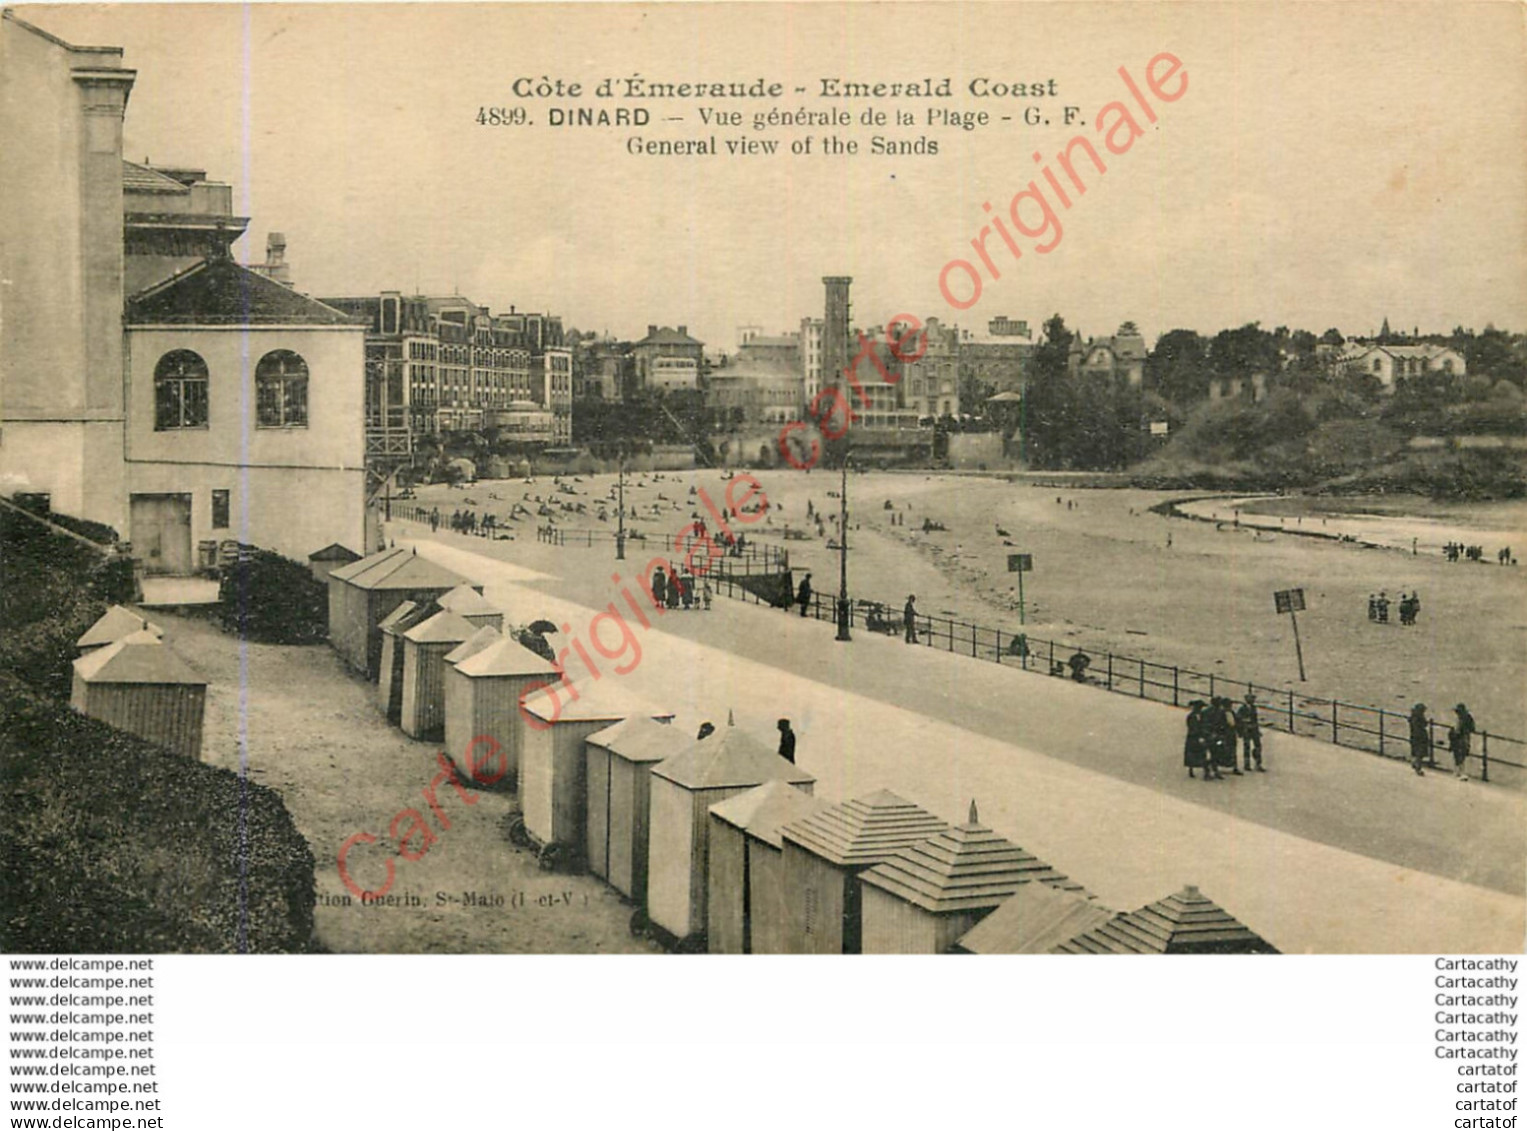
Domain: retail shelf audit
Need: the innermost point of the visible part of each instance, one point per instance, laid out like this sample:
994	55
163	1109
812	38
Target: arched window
180	391
281	390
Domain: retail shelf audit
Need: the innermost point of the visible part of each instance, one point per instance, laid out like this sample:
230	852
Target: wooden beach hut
482	698
389	676
1035	920
745	901
424	650
553	766
333	556
619	762
1188	922
115	623
364	592
467	602
927	896
139	685
823	855
684	788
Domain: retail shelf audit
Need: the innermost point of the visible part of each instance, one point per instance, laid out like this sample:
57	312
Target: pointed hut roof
1035	919
641	739
966	868
404	617
506	657
762	810
445	627
467	601
864	831
398	568
137	658
727	759
334	552
1188	922
596	701
484	637
114	624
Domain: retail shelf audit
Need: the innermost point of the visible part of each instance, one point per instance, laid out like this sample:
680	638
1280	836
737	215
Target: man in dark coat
1195	749
1222	734
1249	725
1079	663
660	587
1420	738
909	618
1459	736
786	741
803	594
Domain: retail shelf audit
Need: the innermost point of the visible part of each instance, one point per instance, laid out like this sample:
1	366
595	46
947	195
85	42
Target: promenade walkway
1331	851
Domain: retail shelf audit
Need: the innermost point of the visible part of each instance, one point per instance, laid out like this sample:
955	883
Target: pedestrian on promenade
1373	607
1249	725
674	586
1195	748
1459	738
687	592
659	587
434	520
1222	734
909	618
803	594
1420	738
1079	663
786	741
1383	607
705	593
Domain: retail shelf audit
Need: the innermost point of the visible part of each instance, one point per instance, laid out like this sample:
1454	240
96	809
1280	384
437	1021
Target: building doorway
161	534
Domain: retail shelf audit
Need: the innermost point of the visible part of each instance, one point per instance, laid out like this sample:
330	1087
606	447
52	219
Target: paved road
1331	851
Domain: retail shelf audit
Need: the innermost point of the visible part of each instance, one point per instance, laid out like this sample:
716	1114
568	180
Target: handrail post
1110	671
1142	679
1484	756
1335	726
1175	701
1291	711
1382	713
999	645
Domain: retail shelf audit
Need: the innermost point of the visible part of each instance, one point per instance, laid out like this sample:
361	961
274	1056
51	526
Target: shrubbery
273	600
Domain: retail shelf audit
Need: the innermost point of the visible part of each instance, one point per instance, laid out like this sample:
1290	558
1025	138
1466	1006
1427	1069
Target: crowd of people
678	588
1458	552
1215	728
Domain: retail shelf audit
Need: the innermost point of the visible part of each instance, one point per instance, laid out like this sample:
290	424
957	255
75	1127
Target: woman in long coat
1222	736
1420	738
1195	750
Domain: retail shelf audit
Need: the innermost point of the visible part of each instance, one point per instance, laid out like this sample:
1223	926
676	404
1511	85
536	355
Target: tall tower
837	349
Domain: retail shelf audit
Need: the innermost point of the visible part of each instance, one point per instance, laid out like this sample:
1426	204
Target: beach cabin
389	676
1188	922
823	855
425	646
928	896
482	698
553	767
333	556
619	762
362	593
1036	919
139	685
467	602
684	787
745	903
114	624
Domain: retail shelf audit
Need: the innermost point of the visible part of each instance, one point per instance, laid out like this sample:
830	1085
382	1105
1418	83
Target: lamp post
843	606
620	532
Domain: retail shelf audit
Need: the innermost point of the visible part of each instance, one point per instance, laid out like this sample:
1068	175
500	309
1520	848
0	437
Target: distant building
753	391
999	358
931	384
667	359
600	369
811	356
553	374
1120	358
1393	363
1253	388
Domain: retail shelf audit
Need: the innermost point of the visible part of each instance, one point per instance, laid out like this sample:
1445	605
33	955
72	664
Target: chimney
275	249
684	330
651	330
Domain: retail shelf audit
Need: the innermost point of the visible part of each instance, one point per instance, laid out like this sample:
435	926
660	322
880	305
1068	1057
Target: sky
1326	164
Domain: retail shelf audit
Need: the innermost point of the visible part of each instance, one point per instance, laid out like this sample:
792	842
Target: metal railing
1351	725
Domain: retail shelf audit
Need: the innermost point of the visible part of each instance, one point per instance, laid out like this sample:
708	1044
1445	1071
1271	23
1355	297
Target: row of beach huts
717	841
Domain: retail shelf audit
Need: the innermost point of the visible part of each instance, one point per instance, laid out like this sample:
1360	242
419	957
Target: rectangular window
220	510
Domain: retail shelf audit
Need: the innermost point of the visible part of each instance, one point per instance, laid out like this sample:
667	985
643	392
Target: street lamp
620	532
843	605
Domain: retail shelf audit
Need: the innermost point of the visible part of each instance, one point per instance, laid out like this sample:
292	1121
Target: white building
1391	363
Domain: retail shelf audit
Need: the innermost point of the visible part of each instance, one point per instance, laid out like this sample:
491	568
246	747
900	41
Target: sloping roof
467	601
597	700
506	657
402	618
1035	920
137	658
484	637
866	830
220	292
445	627
762	810
334	552
114	624
727	759
966	868
641	739
667	336
1185	923
399	568
145	178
